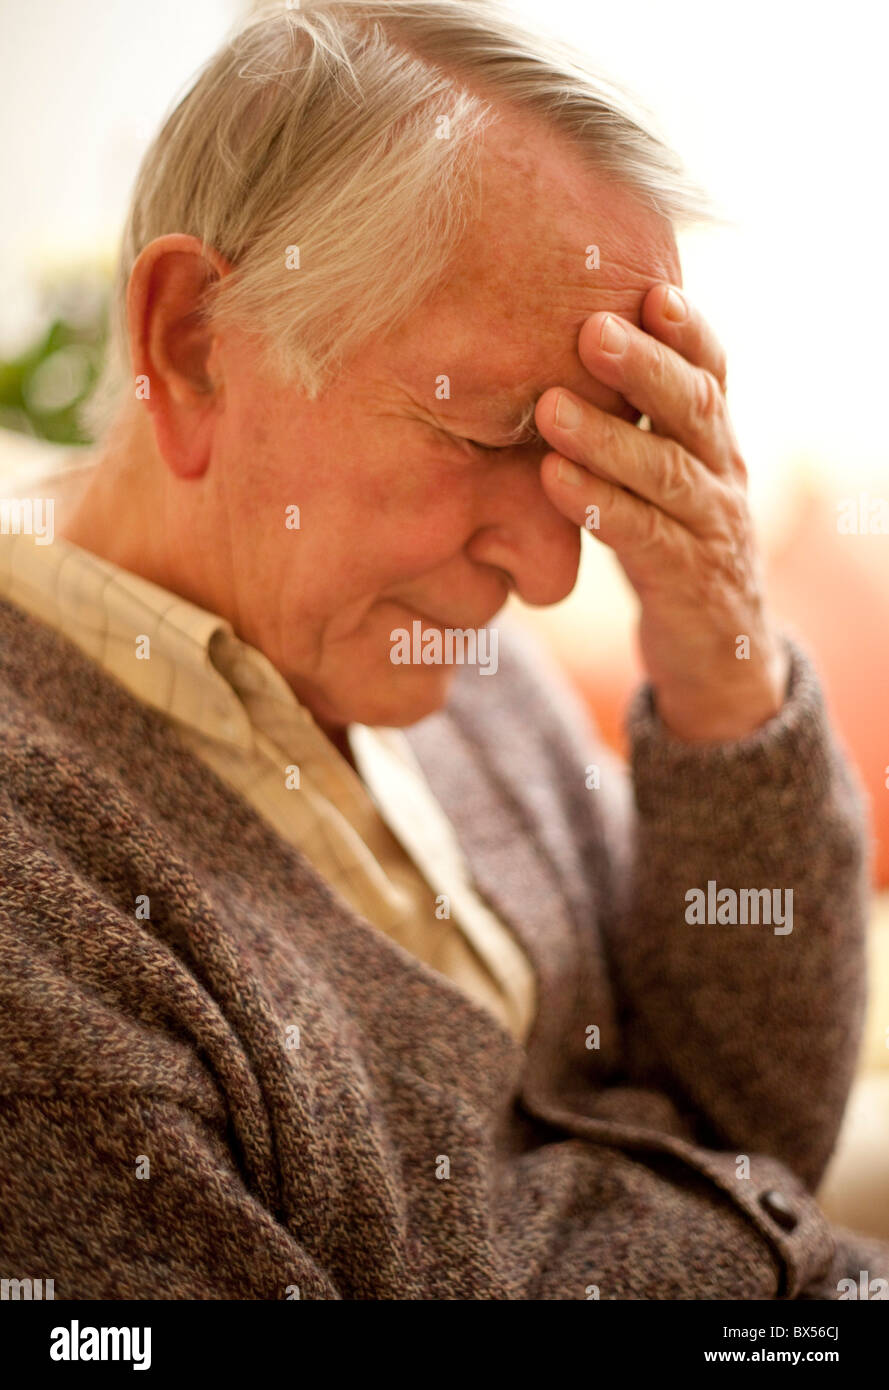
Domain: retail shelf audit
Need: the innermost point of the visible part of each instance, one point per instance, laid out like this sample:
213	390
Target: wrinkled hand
672	505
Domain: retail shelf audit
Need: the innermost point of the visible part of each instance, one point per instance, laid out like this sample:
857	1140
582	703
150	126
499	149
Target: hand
672	505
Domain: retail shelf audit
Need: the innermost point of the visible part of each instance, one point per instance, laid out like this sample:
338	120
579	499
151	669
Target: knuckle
674	480
653	529
720	370
708	402
737	466
659	364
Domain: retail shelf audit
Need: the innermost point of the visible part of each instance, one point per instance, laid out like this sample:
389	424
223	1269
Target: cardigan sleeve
131	1197
749	1033
754	1026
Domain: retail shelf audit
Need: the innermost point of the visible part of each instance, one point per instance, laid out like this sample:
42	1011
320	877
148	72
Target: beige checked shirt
380	838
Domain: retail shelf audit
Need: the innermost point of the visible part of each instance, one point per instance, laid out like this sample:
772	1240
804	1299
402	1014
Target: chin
396	702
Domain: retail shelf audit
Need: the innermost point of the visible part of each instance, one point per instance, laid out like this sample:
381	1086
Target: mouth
442	624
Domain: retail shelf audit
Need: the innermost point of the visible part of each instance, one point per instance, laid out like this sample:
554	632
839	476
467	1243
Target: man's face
400	517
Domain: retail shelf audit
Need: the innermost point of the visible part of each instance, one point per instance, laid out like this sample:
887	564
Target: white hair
320	128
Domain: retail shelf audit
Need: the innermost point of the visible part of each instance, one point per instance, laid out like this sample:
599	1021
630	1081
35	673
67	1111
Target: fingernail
568	472
611	336
675	307
567	413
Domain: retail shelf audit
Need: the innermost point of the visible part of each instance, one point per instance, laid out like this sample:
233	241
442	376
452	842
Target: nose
521	532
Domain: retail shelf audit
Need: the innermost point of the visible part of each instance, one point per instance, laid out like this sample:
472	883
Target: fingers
683	400
668	315
656	469
645	538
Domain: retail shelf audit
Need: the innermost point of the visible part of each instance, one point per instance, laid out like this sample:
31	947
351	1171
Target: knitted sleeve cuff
778	774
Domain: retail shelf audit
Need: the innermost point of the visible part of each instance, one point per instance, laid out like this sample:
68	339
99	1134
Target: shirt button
779	1209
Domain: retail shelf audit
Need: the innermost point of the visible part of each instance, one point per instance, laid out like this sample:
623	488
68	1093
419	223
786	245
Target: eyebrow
524	430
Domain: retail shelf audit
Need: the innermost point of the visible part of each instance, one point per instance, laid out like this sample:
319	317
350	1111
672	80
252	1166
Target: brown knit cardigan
252	1093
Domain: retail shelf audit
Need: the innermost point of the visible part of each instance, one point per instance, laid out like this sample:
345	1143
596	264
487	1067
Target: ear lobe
171	346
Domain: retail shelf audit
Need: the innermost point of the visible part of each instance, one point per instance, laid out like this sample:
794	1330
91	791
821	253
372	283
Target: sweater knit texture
217	1081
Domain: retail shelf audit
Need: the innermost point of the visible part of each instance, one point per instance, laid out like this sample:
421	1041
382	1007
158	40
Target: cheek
408	510
377	506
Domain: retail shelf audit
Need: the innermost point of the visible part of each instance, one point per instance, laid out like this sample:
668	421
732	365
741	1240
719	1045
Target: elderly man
336	973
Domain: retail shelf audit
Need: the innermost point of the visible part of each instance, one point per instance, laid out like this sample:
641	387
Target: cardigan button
779	1209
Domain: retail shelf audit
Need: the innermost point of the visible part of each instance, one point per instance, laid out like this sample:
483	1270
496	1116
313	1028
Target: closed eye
489	448
530	437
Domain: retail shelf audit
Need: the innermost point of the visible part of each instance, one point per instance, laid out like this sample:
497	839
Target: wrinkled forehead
554	243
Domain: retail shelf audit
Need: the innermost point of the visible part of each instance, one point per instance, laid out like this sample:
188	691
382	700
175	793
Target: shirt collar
180	659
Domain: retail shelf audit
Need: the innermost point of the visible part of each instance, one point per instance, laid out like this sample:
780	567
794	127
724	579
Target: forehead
506	318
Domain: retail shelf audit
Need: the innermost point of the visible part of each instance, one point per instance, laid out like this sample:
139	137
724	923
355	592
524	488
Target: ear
172	347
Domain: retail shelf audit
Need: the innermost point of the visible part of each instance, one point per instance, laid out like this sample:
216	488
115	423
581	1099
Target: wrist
721	714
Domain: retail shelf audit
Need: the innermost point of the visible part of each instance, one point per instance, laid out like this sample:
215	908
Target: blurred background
779	109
